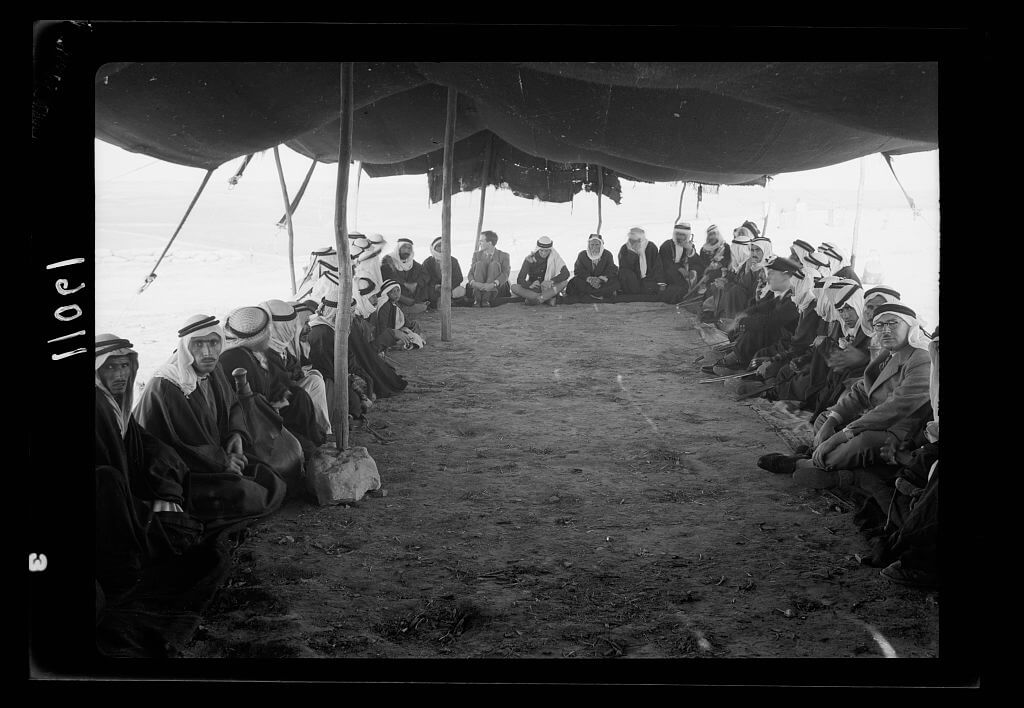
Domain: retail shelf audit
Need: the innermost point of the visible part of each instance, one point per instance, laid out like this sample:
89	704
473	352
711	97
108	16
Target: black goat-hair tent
707	122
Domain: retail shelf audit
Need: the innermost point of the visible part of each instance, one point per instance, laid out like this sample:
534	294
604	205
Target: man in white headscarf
681	263
391	327
405	270
641	275
321	260
595	275
782	361
137	476
888	403
766	322
368	262
190	405
839	264
543	276
432	265
745	280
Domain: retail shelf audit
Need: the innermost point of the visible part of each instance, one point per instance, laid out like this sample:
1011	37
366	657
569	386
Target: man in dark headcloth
190	405
681	262
595	275
543	276
404	269
640	271
767	321
137	476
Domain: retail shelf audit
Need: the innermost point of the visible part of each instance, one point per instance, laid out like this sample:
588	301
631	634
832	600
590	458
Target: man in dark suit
888	404
488	272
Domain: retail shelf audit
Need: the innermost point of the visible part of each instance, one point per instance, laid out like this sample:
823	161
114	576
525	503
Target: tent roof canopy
710	122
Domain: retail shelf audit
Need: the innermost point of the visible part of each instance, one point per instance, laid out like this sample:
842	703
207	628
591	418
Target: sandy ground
560	485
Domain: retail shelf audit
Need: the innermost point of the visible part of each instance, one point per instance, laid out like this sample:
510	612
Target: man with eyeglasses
888	403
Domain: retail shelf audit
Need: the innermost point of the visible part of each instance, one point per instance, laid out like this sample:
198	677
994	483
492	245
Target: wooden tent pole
700	196
856	216
343	318
600	193
484	179
679	214
288	218
298	195
355	207
445	306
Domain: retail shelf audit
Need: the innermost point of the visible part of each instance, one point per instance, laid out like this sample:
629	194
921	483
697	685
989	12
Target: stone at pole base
345	477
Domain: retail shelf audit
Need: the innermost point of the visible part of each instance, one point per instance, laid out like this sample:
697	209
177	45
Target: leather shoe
777	463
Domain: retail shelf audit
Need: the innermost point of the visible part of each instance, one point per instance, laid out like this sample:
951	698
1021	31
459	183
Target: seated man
640	271
137	476
390	326
364	360
595	275
783	358
543	276
401	267
190	405
766	322
888	402
681	263
248	346
838	265
738	286
489	272
433	268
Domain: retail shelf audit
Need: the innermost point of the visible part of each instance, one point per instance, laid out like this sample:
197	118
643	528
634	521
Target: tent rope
241	169
910	200
152	274
298	198
679	214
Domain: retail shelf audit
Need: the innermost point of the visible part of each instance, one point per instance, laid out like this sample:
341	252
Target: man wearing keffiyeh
543	276
136	474
402	267
888	403
640	270
595	275
190	405
432	265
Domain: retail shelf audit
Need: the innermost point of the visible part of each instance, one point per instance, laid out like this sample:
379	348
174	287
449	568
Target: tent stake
288	218
856	216
298	196
152	274
600	192
445	306
679	214
484	180
343	318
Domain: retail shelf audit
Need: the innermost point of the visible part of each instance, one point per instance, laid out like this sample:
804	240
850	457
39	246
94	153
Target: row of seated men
643	272
203	454
804	330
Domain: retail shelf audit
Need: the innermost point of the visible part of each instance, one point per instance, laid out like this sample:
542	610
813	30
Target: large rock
341	477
